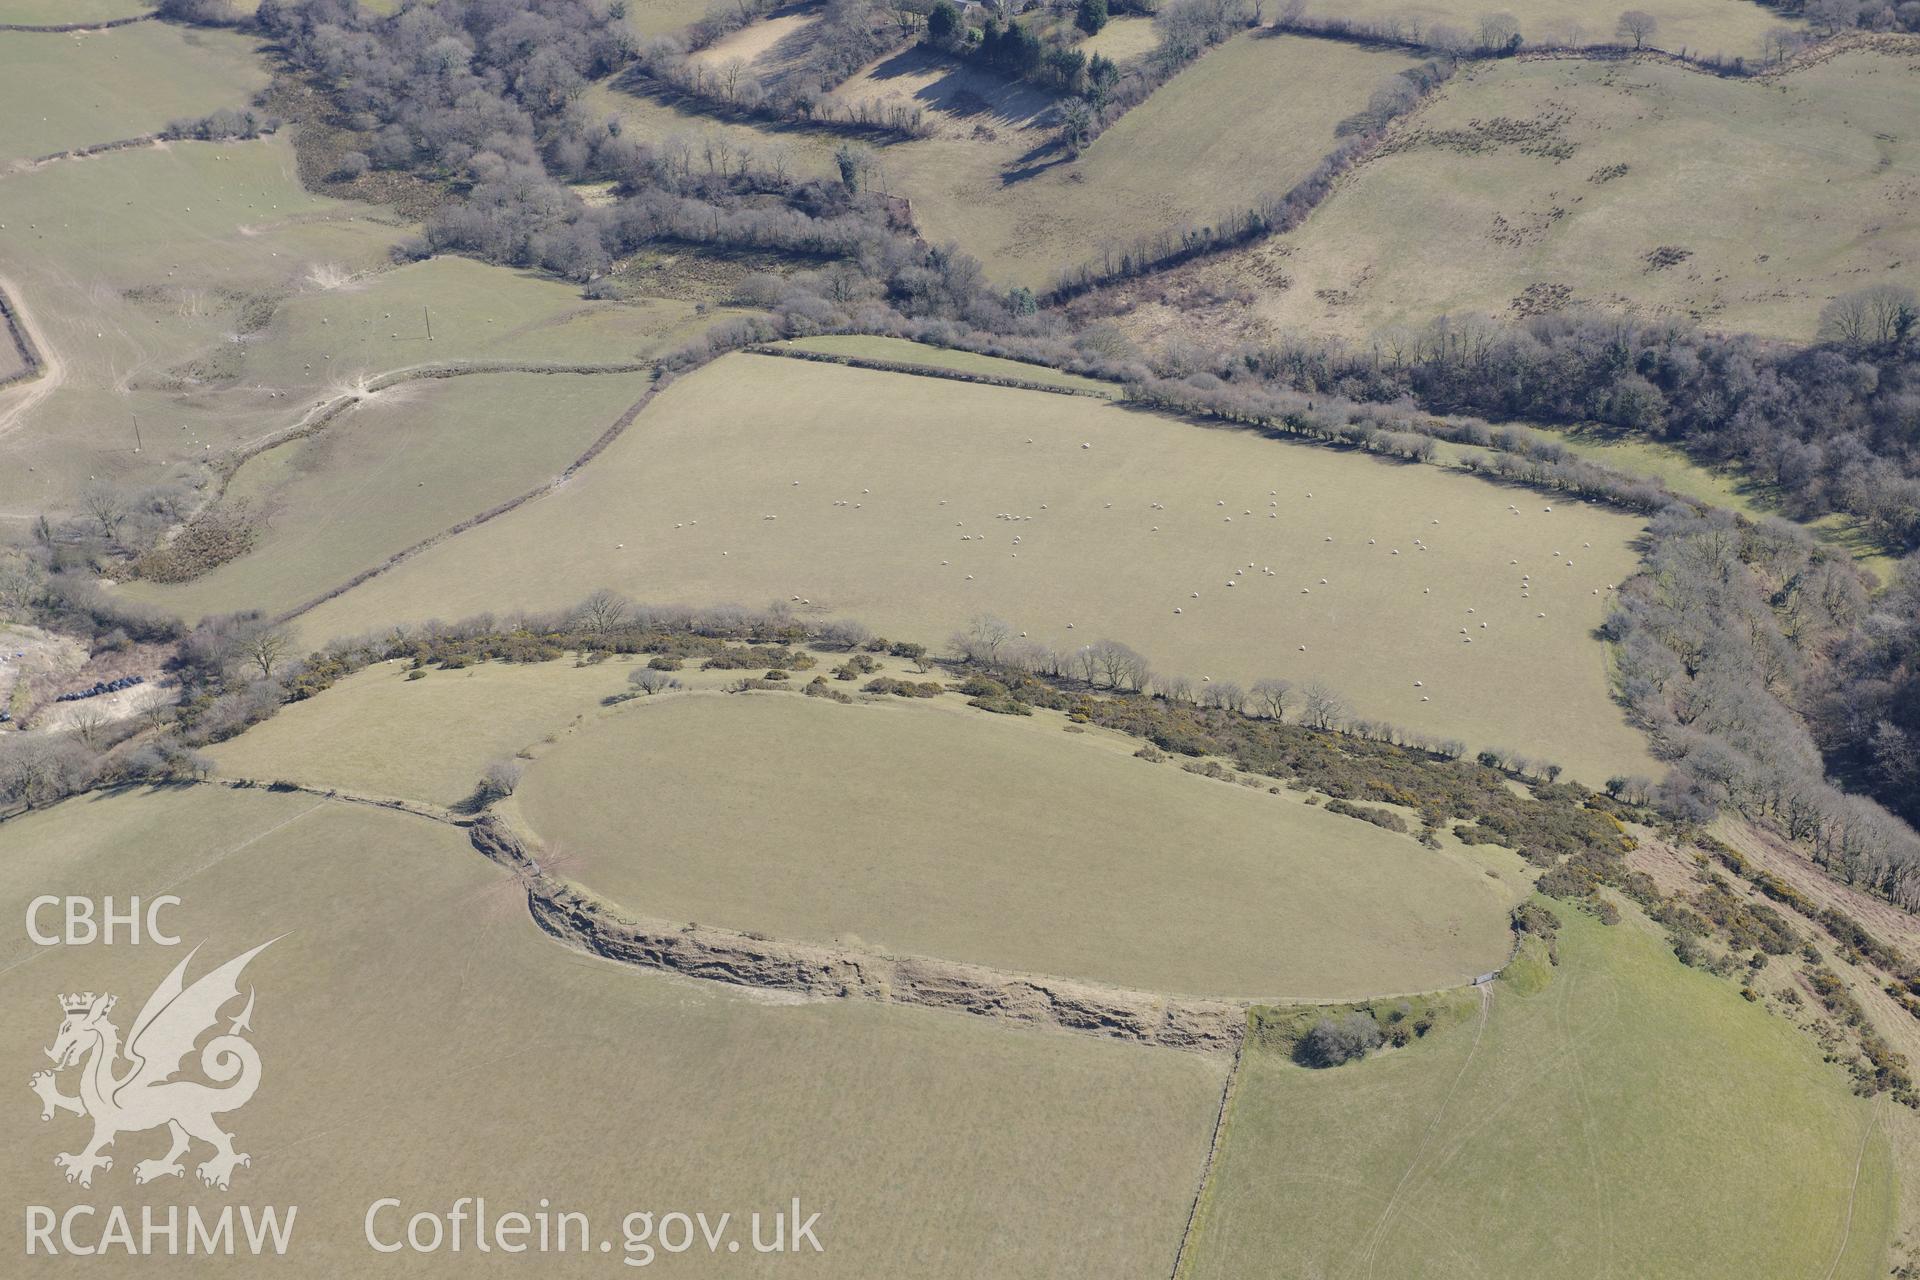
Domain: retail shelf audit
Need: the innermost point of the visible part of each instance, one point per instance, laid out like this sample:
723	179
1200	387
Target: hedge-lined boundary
67	28
926	371
593	451
1346	33
311	426
98	148
1167	248
29	353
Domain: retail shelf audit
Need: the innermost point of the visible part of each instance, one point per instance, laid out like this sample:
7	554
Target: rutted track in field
319	417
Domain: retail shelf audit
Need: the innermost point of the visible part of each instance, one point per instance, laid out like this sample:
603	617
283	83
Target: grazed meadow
699	501
410	994
1734	30
60	12
1537	183
911	828
1619	1114
1567	1137
1229	144
133	266
105	86
398	468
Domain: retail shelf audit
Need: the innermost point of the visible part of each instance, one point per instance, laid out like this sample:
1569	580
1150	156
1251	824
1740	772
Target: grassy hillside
663	17
46	13
1247	120
408	960
64	91
339	330
1685	476
1145	876
1631	1118
404	465
900	351
1744	204
1734	28
378	733
1125	39
944	463
135	268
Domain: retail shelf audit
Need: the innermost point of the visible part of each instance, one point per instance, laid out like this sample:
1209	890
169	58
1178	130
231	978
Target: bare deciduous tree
1321	707
107	505
1638	26
1878	315
1271	698
982	640
1499	30
1226	695
649	681
264	645
500	779
601	612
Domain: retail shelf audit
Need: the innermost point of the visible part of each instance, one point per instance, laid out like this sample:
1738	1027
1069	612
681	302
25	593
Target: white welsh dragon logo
145	1095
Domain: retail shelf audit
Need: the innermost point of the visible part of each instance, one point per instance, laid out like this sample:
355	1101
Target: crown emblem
80	1002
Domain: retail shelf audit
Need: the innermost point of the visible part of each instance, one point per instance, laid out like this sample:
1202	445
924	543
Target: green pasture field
233	314
895	471
407	463
901	351
650	18
1123	40
1722	488
134	267
1631	1118
378	733
1533	183
422	1039
1732	28
942	830
64	91
767	48
363	326
1247	120
53	13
